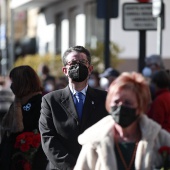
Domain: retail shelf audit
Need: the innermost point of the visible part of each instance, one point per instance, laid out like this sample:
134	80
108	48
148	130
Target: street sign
138	16
141	1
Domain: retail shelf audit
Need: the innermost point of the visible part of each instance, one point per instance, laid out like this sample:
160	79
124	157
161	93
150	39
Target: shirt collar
73	91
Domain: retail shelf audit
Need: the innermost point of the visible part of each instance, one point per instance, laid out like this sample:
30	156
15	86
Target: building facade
59	24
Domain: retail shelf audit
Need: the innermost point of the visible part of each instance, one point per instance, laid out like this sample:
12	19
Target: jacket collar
90	104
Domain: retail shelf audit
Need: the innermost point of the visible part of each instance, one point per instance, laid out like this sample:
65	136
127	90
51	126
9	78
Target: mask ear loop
88	77
88	70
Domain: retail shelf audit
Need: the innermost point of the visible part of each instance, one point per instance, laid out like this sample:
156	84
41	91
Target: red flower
27	145
36	141
26	140
164	149
165	153
26	165
24	147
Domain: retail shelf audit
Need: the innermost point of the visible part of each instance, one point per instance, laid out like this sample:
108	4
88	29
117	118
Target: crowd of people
85	120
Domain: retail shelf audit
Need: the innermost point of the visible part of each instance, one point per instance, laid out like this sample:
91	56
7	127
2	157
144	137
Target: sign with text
138	16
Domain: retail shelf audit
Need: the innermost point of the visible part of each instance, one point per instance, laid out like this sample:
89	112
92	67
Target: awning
30	4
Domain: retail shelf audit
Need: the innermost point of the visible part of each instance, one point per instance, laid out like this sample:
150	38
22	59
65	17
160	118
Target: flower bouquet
26	144
165	153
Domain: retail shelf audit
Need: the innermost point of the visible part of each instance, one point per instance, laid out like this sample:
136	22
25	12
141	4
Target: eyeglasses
77	61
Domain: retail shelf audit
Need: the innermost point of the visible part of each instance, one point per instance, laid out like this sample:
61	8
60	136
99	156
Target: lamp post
157	12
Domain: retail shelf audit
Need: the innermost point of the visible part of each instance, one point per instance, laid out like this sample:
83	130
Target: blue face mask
123	115
147	72
91	82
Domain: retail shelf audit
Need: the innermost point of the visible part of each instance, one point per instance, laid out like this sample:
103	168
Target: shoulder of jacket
100	91
97	92
149	128
53	93
103	127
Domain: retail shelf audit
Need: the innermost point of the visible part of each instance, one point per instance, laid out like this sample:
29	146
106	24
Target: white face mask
91	82
147	72
104	83
49	87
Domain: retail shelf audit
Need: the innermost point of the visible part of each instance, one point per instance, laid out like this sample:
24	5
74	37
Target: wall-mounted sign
138	16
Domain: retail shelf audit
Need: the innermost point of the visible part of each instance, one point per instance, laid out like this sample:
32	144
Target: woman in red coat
160	107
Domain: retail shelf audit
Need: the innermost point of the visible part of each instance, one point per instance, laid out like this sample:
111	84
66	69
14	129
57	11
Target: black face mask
13	88
123	115
78	72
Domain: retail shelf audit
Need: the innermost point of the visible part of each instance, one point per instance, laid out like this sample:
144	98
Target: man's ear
64	69
90	69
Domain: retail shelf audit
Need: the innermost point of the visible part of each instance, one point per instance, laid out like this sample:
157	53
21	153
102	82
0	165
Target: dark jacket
31	114
60	127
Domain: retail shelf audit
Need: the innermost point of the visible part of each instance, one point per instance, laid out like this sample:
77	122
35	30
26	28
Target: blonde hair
135	82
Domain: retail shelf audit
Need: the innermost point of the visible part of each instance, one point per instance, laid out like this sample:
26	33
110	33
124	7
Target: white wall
129	40
45	35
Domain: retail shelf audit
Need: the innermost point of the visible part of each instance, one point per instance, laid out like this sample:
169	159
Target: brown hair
135	82
25	80
79	49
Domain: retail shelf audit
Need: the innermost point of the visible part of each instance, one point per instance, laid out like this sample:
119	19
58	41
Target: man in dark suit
60	124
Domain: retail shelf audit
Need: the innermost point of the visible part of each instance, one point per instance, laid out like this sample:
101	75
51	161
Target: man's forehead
76	55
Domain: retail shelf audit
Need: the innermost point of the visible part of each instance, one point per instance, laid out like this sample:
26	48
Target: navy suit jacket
60	127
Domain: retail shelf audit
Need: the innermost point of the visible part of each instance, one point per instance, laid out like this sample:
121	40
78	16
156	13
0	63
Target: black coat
60	127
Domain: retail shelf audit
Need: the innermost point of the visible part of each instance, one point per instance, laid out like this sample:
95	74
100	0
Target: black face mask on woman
123	115
14	90
78	72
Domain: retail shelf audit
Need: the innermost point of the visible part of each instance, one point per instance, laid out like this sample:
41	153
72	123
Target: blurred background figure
107	77
48	81
160	107
6	98
152	63
94	80
22	116
61	82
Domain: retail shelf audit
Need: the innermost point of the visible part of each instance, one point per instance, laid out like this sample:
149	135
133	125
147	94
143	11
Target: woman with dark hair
23	116
160	107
